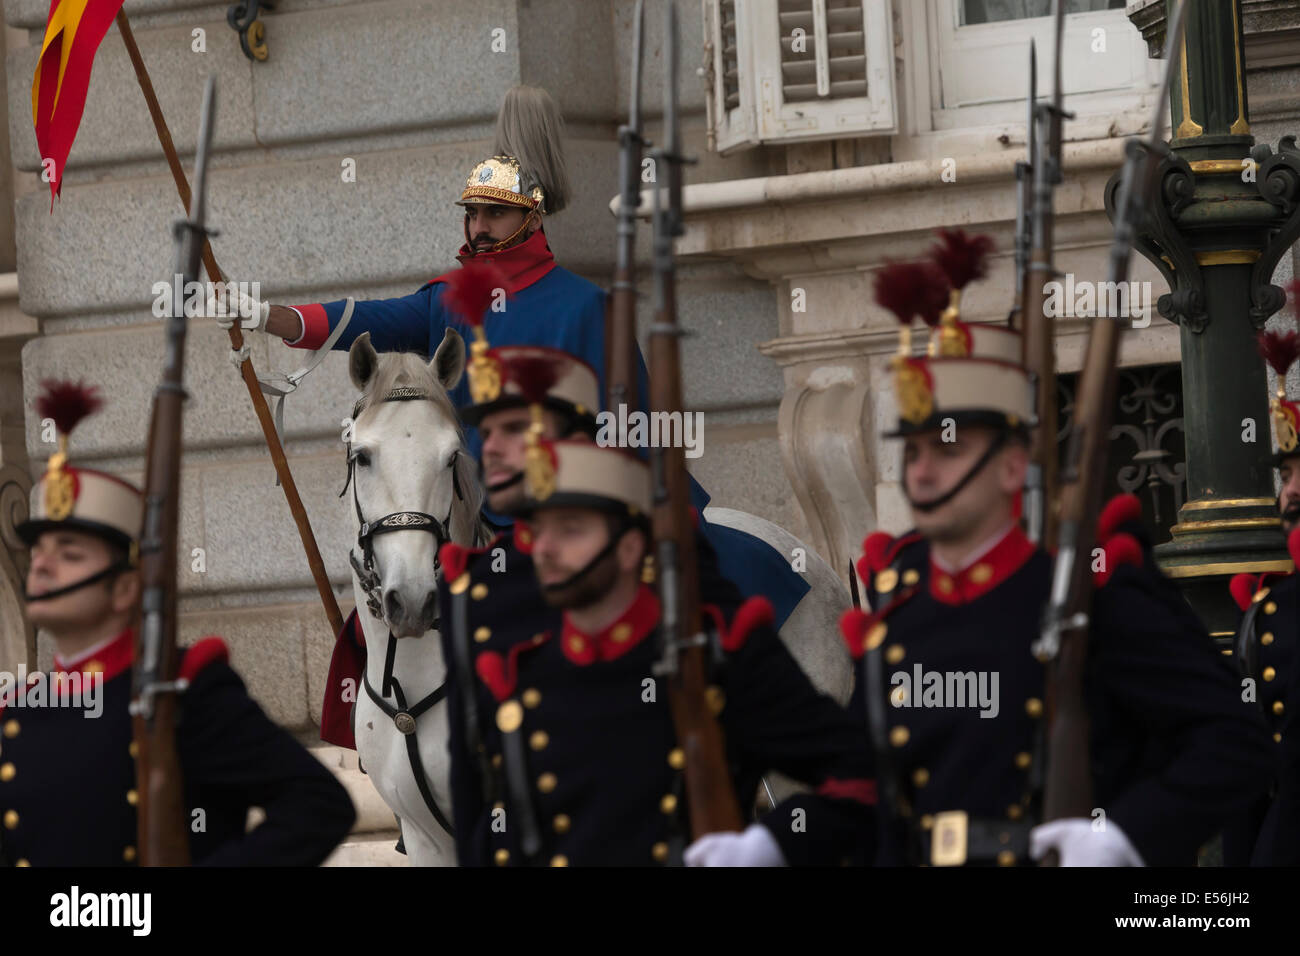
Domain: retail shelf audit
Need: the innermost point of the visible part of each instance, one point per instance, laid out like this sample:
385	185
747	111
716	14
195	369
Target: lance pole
237	343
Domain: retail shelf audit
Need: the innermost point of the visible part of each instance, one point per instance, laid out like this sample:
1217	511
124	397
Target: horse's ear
362	361
448	363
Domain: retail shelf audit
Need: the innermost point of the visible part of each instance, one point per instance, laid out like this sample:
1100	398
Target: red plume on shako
1280	350
67	403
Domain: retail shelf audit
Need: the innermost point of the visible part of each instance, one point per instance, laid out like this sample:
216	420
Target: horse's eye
362	459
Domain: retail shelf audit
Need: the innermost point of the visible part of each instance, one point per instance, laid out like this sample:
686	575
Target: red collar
998	563
631	628
523	264
110	660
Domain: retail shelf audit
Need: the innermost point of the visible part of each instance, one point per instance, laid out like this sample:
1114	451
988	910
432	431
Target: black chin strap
109	571
926	507
582	572
508	483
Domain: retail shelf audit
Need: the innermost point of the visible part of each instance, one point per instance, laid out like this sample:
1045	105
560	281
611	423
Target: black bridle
403	716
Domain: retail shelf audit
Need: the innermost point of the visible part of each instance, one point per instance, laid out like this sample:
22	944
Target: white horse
413	487
408	459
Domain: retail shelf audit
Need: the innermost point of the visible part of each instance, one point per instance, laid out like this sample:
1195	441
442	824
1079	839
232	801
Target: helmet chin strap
112	569
586	569
505	243
926	507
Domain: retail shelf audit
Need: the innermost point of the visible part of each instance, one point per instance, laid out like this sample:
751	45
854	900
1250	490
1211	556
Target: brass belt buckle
948	840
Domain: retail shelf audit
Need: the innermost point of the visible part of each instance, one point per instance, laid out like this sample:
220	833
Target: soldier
507	198
1268	833
67	757
551	652
948	686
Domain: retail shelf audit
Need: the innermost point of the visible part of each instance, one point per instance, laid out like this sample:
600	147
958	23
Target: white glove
1078	844
252	314
754	847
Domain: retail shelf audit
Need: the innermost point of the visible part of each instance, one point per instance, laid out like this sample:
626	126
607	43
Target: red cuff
861	790
315	327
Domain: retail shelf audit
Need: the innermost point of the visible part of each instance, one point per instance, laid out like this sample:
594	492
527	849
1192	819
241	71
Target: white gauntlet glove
252	315
1078	844
754	847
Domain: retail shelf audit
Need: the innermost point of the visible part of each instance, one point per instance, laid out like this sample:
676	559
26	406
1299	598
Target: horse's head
414	487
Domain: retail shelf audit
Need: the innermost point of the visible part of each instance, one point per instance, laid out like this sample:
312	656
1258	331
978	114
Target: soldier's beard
1291	516
588	588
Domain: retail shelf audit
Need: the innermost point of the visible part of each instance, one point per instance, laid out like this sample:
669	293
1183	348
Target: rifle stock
162	831
709	788
1064	643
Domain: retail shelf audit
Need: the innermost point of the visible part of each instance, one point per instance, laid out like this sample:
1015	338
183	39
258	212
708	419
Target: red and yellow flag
73	32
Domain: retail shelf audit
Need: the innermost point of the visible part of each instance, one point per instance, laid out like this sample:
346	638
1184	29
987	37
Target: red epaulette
1117	547
207	650
454	558
1119	511
1293	546
879	551
754	613
501	672
864	630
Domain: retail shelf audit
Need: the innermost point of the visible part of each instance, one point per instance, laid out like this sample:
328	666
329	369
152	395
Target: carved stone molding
17	637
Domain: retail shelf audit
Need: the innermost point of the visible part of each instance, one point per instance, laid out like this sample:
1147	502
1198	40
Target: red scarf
523	264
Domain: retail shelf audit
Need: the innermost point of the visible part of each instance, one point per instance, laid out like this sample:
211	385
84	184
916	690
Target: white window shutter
794	71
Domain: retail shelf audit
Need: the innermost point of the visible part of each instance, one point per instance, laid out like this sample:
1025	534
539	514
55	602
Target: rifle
1040	331
1025	197
710	791
163	834
1063	645
620	339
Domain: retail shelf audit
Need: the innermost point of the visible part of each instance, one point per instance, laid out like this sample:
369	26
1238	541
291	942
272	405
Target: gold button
7	772
927	822
1270	608
1259	595
509	716
539	740
559	860
660	852
1277	738
501	856
886	580
531	697
128	854
982	573
668	804
898	696
1023	760
94	667
546	782
132	797
910	577
1015	811
1034	707
11	729
1266	638
1269	673
621	633
920	776
133	750
496	760
894	653
478	592
1277	707
460	584
499	805
561	823
876	636
22	863
898	736
576	644
944	583
717	700
11	819
482	634
676	758
1006	858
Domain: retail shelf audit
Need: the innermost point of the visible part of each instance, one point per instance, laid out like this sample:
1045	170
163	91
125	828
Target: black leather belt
957	839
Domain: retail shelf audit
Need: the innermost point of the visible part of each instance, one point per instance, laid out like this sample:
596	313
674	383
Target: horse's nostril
392	605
